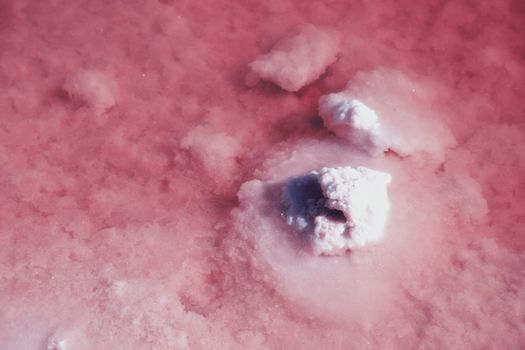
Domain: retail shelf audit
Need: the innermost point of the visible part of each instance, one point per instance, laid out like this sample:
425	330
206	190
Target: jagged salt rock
340	208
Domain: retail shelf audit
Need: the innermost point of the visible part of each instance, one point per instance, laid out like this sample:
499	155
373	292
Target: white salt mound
340	208
297	59
384	110
352	120
92	88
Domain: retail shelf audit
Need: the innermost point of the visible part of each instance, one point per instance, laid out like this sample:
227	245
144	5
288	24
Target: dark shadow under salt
303	200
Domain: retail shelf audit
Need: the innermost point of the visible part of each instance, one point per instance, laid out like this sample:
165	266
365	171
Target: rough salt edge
352	120
329	237
361	195
297	59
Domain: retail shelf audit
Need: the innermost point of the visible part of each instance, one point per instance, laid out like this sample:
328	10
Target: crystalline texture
351	119
338	208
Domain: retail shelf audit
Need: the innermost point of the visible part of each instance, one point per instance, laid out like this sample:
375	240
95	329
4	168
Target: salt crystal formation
339	208
384	110
297	59
352	120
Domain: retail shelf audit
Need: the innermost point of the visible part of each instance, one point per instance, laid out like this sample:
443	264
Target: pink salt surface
146	219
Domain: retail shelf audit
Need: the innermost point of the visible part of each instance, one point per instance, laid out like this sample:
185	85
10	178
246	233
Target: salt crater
339	208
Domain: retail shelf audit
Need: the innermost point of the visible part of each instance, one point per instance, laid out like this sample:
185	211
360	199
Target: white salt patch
297	59
330	238
352	120
384	110
92	88
216	151
361	194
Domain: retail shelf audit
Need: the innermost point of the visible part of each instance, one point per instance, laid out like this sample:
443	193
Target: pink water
123	223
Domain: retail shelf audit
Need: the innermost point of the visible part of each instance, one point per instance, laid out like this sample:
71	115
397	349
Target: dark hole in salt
303	200
335	215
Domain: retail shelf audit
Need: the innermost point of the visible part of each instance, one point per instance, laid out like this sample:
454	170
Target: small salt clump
340	208
297	59
91	88
352	120
383	110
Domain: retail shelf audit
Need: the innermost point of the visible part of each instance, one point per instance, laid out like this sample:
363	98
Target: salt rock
352	120
383	110
339	208
298	59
